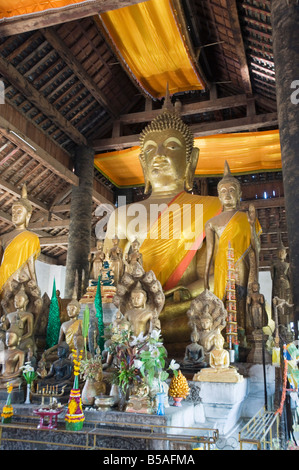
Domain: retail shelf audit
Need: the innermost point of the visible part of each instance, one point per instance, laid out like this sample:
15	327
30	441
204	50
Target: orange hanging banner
245	152
149	42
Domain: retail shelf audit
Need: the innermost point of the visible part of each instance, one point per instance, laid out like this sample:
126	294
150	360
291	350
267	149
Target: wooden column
80	221
285	21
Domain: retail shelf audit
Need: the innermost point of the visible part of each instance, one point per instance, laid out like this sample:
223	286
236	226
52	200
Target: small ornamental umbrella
74	416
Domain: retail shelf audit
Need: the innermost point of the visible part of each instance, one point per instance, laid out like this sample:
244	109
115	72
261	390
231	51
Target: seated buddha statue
23	320
174	251
11	360
220	369
207	317
194	354
61	371
138	302
242	231
18	249
70	328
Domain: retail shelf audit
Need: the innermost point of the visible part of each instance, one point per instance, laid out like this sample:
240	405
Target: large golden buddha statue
169	223
239	229
18	251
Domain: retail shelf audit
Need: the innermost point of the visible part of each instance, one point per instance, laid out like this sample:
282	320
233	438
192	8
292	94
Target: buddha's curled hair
168	120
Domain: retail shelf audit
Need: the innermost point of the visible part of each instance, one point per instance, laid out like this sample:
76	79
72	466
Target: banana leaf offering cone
7	411
74	417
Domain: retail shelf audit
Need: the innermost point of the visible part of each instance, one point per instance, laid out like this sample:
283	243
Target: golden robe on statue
237	233
18	252
176	235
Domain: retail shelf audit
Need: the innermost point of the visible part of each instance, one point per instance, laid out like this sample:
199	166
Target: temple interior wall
45	277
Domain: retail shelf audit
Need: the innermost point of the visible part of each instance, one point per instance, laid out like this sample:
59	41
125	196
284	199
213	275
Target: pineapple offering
178	388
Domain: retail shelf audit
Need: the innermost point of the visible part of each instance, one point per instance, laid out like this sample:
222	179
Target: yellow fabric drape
147	39
237	232
244	152
11	8
175	236
23	247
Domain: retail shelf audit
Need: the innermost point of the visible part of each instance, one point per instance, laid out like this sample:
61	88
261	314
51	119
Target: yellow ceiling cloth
246	152
147	37
11	8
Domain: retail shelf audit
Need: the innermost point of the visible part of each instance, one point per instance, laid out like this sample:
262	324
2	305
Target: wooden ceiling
64	86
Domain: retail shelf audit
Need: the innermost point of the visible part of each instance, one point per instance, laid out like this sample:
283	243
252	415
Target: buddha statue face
229	190
20	215
21	300
168	157
11	339
282	254
255	287
219	341
165	157
229	194
206	322
73	309
138	298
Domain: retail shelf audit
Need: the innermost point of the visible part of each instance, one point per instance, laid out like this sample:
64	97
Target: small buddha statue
138	315
11	360
96	261
194	353
60	373
219	357
139	303
206	317
116	259
256	307
69	328
133	255
220	369
23	320
281	282
139	400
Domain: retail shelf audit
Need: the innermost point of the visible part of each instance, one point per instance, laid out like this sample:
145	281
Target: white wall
45	274
266	285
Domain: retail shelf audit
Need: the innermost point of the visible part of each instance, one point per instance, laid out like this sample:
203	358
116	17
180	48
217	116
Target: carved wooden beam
239	45
249	123
65	53
51	17
16	79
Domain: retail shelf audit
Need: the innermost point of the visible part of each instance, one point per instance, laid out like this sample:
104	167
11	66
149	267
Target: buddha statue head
138	296
21	299
73	308
168	156
21	210
282	251
229	189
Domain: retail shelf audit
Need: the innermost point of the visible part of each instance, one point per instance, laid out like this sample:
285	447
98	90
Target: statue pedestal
255	399
222	403
256	354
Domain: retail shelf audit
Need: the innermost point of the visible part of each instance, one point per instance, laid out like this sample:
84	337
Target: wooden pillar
80	221
285	21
